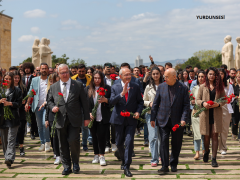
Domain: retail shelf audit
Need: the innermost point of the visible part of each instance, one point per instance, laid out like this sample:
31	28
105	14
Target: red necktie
126	96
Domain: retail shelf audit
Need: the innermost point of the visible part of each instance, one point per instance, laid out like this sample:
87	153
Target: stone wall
5	41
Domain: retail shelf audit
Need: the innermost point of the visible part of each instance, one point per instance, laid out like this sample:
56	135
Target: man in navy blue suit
125	96
170	107
133	79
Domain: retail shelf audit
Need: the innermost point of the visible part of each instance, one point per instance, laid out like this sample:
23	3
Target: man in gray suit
69	117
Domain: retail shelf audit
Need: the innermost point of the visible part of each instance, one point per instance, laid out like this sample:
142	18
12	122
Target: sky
100	31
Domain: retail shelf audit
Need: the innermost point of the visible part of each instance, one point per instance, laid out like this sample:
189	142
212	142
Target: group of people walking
67	100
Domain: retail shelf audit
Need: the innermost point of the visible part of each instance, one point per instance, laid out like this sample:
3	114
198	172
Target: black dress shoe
66	171
163	170
122	166
133	154
8	163
117	155
214	162
76	168
32	137
206	156
173	168
127	173
189	133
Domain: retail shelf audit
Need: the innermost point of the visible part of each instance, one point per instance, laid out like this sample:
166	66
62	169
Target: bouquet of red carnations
101	92
113	78
191	97
31	94
226	99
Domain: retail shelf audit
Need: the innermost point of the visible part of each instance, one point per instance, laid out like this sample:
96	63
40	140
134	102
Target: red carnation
31	100
174	129
176	126
29	107
189	91
127	114
140	75
97	91
60	94
34	92
191	94
230	83
122	114
113	76
194	98
210	102
190	81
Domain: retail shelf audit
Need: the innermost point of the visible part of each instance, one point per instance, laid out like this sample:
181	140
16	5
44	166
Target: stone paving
39	165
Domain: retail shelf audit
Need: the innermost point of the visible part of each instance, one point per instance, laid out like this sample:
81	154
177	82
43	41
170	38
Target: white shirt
228	92
67	86
99	112
123	84
108	81
186	83
42	92
156	87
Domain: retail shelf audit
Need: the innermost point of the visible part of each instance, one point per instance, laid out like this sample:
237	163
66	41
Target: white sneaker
47	146
54	157
42	147
223	152
28	129
96	159
114	148
57	161
102	161
107	150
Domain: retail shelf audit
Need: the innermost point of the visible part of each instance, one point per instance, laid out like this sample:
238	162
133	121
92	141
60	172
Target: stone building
5	41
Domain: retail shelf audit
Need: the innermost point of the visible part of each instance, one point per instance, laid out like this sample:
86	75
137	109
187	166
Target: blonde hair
52	77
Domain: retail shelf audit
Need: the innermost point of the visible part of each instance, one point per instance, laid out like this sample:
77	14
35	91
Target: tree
193	61
29	59
2	10
62	60
213	62
75	62
206	54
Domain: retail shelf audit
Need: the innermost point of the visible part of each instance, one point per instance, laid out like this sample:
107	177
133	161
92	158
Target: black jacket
49	116
236	113
14	96
105	107
22	108
29	82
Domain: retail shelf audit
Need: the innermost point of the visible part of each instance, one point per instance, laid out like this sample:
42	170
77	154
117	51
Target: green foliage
193	61
206	55
62	60
29	59
75	62
2	10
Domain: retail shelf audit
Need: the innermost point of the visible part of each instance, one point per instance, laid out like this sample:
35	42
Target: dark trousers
21	131
125	135
98	132
108	144
235	122
34	128
69	141
176	143
54	140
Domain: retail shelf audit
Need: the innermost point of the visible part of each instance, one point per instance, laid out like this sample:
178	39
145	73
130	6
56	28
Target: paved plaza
39	165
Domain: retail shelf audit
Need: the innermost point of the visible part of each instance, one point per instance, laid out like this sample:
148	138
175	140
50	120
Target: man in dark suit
125	96
28	69
69	117
170	107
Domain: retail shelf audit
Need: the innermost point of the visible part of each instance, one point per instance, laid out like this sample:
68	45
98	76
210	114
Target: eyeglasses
37	70
63	73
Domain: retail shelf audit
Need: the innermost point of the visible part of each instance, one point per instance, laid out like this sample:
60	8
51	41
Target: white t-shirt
42	92
99	113
108	81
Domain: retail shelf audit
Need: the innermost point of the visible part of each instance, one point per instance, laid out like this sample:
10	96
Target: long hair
52	77
201	72
20	83
151	80
187	76
217	83
12	79
91	90
225	76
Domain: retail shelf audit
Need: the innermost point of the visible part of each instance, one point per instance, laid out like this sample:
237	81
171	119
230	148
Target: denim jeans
197	144
145	131
86	135
42	130
154	140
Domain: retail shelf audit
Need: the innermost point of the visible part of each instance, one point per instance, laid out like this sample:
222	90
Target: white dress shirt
67	86
108	81
27	79
99	112
123	84
42	91
228	92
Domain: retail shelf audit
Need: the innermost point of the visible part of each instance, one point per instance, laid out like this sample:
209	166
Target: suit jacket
133	80
76	102
35	83
14	96
105	107
133	104
29	81
163	109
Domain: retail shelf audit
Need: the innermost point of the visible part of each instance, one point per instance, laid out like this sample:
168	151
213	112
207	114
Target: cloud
54	15
119	5
37	13
69	22
25	38
35	30
72	24
220	1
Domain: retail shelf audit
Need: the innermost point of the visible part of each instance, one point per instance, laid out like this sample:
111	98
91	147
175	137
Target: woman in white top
101	121
149	95
227	111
